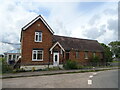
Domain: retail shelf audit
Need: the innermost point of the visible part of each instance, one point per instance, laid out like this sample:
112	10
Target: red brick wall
81	58
28	43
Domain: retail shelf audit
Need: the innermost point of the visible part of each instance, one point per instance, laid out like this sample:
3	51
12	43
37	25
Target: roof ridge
74	38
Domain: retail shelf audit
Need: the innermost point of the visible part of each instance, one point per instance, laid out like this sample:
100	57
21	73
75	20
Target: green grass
116	61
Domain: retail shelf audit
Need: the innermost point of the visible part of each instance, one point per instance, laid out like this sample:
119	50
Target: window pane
40	36
77	54
34	54
9	57
14	57
86	55
36	37
55	57
39	55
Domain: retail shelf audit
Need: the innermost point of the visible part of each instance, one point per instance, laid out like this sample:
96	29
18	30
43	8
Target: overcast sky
89	20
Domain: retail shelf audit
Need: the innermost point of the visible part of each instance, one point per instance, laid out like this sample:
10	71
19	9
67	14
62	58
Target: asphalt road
103	79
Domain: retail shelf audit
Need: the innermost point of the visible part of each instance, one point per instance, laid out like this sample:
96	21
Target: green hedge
70	65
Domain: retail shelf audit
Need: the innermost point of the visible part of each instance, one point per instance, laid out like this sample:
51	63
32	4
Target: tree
107	53
115	48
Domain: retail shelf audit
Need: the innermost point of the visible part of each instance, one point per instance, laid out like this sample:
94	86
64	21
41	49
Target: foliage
95	60
33	69
19	70
5	67
70	64
107	53
54	68
115	48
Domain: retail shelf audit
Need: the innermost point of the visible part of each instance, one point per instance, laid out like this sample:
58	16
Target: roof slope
40	17
34	20
69	43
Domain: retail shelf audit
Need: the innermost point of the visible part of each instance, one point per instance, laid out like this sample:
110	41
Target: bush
5	67
70	64
95	60
19	70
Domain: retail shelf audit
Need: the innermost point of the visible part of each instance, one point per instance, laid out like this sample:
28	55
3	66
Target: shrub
33	69
80	66
19	70
95	60
5	67
70	64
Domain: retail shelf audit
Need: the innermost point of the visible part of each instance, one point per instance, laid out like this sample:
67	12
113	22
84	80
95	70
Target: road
103	79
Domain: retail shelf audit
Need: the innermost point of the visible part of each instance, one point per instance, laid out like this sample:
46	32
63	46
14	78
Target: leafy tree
115	48
107	53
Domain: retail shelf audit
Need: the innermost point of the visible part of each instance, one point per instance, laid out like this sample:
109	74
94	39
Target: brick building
40	47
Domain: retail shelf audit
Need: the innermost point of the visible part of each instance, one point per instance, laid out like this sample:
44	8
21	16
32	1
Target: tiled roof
69	43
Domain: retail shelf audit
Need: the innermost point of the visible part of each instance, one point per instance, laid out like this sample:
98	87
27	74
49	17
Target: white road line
90	76
89	82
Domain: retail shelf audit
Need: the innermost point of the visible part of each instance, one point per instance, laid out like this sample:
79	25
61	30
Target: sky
88	20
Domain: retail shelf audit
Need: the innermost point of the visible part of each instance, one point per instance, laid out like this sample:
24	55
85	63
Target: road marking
89	82
90	76
94	73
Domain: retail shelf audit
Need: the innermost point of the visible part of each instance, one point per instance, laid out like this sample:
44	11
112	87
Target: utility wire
11	43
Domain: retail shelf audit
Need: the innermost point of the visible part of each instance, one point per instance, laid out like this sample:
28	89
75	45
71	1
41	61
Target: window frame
38	33
86	55
37	55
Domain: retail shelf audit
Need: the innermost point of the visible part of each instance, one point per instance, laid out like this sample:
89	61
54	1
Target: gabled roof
69	43
57	43
34	20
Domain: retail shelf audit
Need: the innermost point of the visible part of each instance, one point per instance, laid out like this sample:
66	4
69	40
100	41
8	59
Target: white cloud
65	18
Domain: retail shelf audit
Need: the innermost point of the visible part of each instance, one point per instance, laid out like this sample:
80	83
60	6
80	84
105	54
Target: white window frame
38	33
86	55
36	55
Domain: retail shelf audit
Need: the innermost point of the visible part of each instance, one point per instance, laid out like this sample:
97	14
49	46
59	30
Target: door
55	58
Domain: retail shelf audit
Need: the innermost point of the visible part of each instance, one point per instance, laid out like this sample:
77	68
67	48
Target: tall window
86	55
38	36
77	54
37	55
